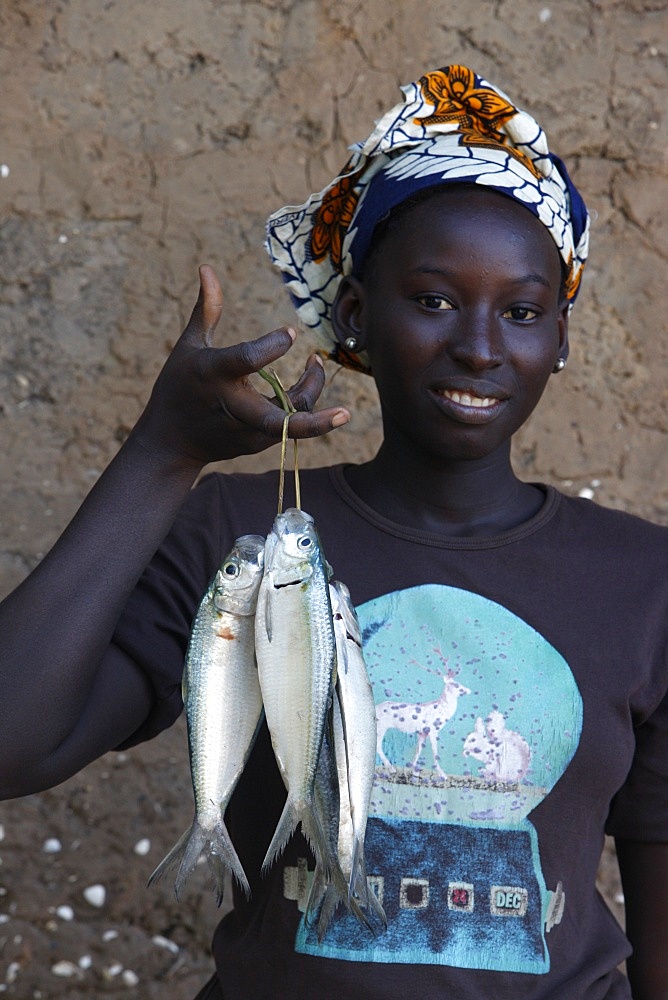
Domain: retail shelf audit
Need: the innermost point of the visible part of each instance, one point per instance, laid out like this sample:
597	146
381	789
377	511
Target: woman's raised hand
204	408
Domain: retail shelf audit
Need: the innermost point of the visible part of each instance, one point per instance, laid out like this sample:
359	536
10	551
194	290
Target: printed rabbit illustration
504	755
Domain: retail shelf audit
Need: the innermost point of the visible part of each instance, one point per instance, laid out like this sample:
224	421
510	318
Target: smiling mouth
468	399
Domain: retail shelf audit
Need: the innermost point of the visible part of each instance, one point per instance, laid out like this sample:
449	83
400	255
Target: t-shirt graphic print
478	717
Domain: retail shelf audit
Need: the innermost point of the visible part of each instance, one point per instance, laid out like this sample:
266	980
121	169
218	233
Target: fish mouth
289	576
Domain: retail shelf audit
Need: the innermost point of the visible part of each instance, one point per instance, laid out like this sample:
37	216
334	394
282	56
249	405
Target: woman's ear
347	313
562	321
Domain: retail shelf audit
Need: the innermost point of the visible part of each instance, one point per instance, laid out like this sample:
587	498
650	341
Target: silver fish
296	656
333	804
223	704
354	730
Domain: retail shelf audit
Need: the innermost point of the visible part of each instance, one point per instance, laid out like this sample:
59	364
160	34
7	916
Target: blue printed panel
467	898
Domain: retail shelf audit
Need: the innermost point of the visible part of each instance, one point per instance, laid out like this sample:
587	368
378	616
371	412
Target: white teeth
466	399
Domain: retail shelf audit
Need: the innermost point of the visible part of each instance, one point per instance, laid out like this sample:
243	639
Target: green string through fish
270	376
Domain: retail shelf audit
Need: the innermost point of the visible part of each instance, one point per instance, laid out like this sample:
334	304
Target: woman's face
461	314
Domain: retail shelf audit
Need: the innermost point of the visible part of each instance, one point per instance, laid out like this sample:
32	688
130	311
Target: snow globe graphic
478	716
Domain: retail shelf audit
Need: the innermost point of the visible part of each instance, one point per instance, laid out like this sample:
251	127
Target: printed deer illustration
424	719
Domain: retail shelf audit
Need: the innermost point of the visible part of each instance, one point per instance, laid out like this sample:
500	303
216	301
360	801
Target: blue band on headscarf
386	193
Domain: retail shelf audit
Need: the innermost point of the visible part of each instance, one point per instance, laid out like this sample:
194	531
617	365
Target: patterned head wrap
452	126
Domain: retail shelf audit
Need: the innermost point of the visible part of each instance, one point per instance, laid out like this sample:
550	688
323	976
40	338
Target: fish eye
304	542
231	569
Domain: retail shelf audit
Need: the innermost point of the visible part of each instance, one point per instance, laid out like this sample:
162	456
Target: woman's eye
434	302
520	313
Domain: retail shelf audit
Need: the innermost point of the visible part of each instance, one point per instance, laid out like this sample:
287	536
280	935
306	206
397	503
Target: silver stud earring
351	344
559	366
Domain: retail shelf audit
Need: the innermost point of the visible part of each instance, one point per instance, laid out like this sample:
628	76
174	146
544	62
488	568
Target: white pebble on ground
52	845
111	971
163	942
95	895
13	970
65	968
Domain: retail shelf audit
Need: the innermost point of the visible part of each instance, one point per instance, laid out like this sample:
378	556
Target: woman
515	638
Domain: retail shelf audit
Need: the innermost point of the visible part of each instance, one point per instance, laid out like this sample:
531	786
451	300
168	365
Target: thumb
208	309
211	295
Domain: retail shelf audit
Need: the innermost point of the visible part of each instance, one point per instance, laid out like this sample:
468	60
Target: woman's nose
476	343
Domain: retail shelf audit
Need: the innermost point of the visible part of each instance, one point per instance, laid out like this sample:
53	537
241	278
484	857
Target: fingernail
339	418
291	333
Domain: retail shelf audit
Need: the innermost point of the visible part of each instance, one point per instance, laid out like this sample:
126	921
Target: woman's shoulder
617	539
625	524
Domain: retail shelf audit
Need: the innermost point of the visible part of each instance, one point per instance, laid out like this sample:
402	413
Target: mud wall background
138	140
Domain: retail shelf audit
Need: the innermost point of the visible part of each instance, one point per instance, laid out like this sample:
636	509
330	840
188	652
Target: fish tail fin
218	873
360	890
195	846
294	813
357	868
223	858
377	907
334	895
337	891
171	859
284	830
329	889
316	894
360	915
217	847
314	833
327	910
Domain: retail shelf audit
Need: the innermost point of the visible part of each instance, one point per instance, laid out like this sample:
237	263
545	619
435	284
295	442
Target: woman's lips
466	406
468	399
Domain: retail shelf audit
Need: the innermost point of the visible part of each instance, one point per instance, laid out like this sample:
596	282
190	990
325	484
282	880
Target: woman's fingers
211	295
307	424
206	313
305	393
253	410
242	360
267	416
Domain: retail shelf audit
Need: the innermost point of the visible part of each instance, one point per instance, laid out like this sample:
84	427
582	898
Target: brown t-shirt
520	685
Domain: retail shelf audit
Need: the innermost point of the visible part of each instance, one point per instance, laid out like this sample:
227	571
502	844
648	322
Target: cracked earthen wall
140	139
